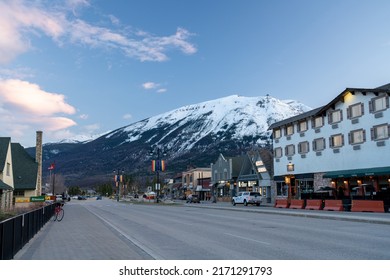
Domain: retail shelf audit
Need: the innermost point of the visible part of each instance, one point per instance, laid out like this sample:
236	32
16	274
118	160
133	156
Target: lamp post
290	171
158	165
118	178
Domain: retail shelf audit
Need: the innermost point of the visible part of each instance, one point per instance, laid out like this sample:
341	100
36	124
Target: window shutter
362	105
388	130
331	144
299	148
370	106
364	135
314	145
342	139
349	138
372	134
387	102
341	115
329	117
348	112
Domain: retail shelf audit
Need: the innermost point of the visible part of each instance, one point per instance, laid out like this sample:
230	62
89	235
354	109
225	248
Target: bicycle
58	212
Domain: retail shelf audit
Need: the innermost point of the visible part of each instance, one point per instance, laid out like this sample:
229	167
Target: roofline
321	110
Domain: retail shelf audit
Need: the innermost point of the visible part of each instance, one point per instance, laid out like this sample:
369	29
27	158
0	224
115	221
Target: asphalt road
106	229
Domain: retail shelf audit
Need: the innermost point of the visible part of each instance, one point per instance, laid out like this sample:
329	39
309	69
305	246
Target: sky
78	68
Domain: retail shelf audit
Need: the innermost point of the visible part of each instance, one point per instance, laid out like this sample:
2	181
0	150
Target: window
379	104
8	170
278	152
357	136
277	133
380	132
303	147
289	130
290	150
319	144
302	126
335	117
355	111
336	141
318	122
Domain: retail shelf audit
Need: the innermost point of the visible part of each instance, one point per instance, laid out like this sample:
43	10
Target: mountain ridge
192	135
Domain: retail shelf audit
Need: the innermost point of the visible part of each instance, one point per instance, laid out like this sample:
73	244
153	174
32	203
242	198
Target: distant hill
191	135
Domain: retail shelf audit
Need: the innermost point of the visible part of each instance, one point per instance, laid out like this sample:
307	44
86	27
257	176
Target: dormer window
277	133
335	116
355	111
318	122
289	130
378	104
302	126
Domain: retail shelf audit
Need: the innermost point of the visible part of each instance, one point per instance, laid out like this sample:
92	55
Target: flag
52	166
118	178
158	165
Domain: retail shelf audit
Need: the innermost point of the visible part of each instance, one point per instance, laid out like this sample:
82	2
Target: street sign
40	198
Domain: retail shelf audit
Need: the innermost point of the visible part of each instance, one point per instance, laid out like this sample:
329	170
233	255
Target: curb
342	216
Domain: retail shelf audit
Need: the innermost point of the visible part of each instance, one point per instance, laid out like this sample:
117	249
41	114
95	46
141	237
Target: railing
17	231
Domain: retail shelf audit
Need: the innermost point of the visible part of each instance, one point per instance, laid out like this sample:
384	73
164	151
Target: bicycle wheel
54	218
60	215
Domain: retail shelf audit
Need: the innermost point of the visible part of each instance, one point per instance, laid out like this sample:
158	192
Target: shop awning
358	172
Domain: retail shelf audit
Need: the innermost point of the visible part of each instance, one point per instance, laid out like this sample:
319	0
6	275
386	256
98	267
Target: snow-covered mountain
191	135
234	117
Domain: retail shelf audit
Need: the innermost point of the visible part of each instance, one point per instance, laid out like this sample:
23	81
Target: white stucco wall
370	154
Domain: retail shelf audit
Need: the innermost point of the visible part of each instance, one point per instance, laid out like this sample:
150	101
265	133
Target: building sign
22	199
40	198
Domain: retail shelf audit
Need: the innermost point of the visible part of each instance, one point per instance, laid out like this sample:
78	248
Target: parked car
247	198
99	197
193	198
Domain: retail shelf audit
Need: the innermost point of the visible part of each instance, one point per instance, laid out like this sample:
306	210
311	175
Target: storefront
368	184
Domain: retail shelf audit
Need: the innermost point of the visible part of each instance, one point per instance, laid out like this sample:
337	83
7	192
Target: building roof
237	164
25	169
4	142
4	186
321	110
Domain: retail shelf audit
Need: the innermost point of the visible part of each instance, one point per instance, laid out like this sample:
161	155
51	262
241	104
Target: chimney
38	159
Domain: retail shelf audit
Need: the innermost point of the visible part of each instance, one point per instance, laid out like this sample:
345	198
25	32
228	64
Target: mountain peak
194	134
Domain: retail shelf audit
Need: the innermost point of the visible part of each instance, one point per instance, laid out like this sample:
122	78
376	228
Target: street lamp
118	178
158	165
290	175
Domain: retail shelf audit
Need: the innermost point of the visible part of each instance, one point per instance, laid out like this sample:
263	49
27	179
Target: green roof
358	172
4	186
25	169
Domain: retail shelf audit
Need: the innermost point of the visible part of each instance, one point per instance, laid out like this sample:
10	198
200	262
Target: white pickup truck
247	198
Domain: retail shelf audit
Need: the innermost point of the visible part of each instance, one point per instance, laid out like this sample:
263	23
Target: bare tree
56	181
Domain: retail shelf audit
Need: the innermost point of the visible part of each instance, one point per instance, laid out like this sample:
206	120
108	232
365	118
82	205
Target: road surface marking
143	247
248	239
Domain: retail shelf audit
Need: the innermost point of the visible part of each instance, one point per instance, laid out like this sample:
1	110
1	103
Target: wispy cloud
150	85
25	106
22	19
161	90
154	86
127	116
